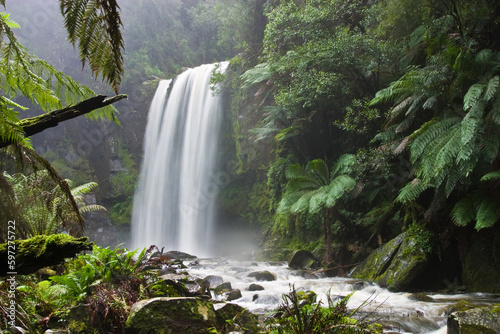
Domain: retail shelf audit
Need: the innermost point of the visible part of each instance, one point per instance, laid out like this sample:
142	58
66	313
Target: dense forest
346	125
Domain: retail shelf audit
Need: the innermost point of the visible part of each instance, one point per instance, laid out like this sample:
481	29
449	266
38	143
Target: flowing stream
174	202
396	311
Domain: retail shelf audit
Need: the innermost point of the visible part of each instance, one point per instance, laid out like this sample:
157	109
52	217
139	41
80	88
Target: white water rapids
395	311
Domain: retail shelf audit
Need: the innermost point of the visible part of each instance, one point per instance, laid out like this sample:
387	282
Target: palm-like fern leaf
95	26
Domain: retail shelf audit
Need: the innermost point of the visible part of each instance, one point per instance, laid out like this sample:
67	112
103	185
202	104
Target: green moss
38	245
475	329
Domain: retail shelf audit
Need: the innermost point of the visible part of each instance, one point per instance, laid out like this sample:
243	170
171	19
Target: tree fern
319	168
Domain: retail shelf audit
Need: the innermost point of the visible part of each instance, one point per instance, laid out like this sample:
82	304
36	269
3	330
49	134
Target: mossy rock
485	320
408	263
378	261
43	251
481	266
171	316
303	259
78	320
395	265
233	314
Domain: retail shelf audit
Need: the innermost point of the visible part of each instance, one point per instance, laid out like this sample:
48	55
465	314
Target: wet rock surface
476	320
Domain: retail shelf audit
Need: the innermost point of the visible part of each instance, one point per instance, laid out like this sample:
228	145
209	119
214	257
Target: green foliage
102	265
95	25
45	207
445	113
304	318
313	189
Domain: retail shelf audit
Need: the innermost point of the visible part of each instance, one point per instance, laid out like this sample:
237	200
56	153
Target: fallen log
37	124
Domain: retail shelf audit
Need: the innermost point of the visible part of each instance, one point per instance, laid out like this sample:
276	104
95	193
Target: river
396	311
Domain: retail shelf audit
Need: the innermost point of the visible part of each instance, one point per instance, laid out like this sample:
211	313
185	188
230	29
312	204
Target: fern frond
319	168
491	88
473	95
338	188
428	132
495	111
92	208
487	213
491	176
412	190
464	212
83	189
343	165
261	72
288	200
472	121
302	204
95	26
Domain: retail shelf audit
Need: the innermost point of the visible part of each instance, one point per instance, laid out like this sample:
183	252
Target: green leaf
487	213
492	88
491	176
463	212
473	95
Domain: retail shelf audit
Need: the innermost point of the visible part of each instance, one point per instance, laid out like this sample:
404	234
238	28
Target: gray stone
396	265
263	275
476	320
303	259
237	317
255	287
171	315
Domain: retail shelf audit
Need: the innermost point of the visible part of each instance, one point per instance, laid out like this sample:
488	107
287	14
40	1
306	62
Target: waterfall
175	199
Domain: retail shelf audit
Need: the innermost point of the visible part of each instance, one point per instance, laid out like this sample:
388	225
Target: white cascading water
174	202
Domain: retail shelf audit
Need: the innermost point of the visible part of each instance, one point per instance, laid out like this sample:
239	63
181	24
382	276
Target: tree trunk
51	119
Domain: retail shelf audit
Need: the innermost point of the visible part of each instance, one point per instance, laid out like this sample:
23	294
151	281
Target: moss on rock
43	251
485	320
171	315
395	265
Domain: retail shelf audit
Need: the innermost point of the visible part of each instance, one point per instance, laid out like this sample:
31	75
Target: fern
319	168
492	88
429	132
338	188
95	26
491	176
487	212
463	212
412	190
261	72
473	95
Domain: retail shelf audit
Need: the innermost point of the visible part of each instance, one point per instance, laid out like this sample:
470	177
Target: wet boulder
396	265
233	294
263	275
223	288
171	315
179	255
214	280
238	319
480	267
303	259
255	287
476	320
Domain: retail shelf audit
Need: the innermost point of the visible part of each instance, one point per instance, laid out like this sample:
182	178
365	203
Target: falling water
174	202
